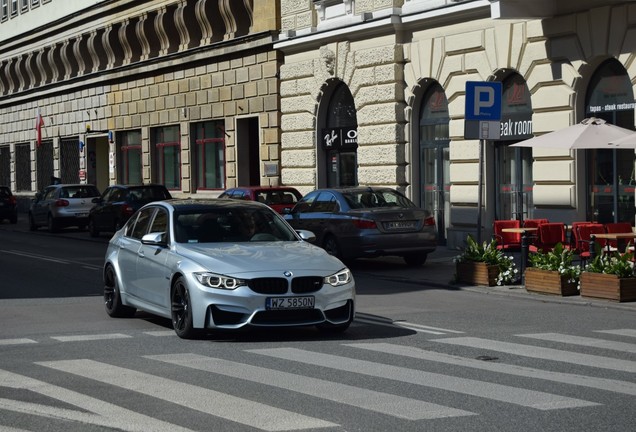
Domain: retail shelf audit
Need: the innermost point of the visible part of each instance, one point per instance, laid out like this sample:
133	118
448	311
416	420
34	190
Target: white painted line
161	333
79	338
90	410
243	411
19	341
583	341
384	403
528	398
543	353
611	385
415	327
620	332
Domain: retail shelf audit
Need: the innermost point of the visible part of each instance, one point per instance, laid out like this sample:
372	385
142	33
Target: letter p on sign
483	101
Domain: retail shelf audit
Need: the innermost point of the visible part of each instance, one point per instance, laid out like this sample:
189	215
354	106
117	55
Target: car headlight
340	278
214	280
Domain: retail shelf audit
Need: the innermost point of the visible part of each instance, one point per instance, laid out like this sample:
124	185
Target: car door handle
141	254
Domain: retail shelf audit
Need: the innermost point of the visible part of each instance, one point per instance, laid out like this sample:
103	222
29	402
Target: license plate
399	225
306	302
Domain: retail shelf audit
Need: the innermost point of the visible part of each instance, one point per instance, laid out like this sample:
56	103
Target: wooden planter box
607	286
477	273
549	282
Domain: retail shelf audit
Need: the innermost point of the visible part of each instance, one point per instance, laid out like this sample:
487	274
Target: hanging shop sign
337	138
516	112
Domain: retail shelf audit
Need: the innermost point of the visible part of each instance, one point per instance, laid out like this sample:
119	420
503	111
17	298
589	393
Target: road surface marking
611	385
92	337
90	410
19	341
543	353
583	341
385	403
247	412
502	393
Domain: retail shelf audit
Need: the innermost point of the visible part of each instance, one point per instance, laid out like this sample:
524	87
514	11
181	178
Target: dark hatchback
366	222
8	205
118	202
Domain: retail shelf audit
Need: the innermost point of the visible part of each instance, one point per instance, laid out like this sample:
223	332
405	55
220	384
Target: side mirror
307	236
154	239
96	200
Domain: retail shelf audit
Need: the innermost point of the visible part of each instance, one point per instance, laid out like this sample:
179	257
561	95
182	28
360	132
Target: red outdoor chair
548	235
534	223
583	236
618	227
507	241
573	235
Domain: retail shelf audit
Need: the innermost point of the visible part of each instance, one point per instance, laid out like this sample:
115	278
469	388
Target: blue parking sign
483	100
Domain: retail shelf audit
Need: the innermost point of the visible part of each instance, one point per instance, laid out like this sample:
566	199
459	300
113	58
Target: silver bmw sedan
226	264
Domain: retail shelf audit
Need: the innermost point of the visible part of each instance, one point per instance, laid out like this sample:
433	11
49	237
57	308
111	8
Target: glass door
436	186
514	182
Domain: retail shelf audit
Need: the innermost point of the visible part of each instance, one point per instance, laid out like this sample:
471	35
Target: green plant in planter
621	265
558	259
489	254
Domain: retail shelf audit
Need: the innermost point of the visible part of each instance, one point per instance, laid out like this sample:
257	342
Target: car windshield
376	198
79	191
233	225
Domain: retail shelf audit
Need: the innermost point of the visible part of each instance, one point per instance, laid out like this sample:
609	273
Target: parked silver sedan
224	264
62	205
366	222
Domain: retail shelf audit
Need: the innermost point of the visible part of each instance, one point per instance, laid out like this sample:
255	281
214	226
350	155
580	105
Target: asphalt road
419	357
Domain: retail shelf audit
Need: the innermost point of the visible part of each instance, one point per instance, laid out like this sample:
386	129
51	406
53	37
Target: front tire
331	246
32	225
182	310
92	229
112	297
52	225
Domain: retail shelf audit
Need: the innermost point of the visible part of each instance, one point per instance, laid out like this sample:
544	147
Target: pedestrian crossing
441	384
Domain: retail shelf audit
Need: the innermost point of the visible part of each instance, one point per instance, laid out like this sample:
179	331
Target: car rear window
372	199
79	192
276	197
149	194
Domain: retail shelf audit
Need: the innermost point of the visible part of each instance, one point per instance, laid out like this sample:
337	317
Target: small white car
224	264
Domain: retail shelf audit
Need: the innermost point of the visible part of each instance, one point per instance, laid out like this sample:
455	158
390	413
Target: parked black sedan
366	222
118	202
8	205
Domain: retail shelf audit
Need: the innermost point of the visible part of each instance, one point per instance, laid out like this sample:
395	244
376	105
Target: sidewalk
437	273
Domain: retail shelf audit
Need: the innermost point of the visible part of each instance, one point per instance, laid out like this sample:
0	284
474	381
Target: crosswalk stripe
393	405
92	337
502	393
90	410
247	412
611	385
543	353
583	341
619	332
20	341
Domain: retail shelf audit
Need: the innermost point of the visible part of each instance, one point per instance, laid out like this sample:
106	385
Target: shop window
130	157
167	157
209	157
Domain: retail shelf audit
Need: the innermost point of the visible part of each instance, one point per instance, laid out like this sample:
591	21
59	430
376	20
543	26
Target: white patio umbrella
591	133
628	142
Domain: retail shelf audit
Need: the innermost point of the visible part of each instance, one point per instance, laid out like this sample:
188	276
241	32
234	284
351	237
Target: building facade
373	93
202	95
178	92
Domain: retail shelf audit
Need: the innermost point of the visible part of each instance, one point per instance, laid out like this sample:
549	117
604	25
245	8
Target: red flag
39	122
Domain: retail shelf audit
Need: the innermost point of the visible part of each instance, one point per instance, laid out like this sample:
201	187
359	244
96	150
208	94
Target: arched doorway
513	172
337	137
434	158
610	182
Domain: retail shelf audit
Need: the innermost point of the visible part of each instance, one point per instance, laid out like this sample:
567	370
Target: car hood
237	258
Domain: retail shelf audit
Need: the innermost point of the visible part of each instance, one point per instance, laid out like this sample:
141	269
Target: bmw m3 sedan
224	264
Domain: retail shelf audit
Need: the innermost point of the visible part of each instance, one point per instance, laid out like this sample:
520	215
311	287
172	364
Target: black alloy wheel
112	298
92	229
182	310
